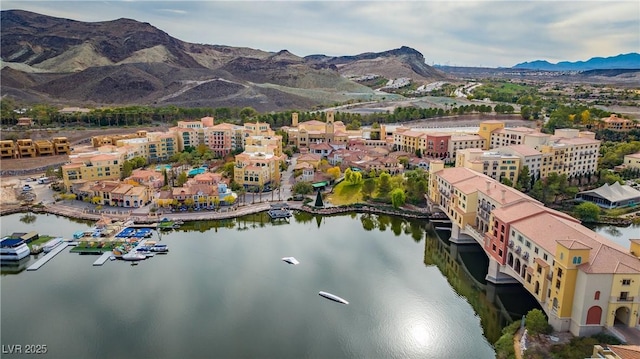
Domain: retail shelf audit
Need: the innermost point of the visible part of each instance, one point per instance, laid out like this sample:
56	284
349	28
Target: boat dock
103	258
47	257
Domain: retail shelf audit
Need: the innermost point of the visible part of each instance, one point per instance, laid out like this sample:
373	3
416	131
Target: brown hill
122	62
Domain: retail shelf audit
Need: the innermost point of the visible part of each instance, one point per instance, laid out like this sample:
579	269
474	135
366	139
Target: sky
457	33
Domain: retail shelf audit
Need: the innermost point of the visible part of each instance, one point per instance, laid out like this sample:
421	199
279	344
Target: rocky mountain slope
122	62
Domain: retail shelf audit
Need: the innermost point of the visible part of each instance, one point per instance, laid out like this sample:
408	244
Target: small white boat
51	244
333	297
291	260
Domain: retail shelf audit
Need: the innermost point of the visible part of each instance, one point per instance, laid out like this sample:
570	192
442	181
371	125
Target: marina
49	256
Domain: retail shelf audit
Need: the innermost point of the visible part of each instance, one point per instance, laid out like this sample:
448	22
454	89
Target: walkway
631	336
47	257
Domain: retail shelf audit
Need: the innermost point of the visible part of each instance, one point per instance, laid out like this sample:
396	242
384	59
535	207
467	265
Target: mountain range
125	62
122	62
629	61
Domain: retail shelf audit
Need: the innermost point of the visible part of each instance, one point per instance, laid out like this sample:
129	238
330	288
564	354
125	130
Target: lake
223	292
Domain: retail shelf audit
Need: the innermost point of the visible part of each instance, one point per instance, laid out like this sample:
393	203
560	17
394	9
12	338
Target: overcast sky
463	33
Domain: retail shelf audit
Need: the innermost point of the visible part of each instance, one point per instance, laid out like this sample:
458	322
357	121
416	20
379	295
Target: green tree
524	179
127	168
384	184
182	179
536	323
368	186
398	198
302	187
587	212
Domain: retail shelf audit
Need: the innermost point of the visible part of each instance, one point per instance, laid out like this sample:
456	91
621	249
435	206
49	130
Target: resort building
492	163
154	146
303	134
34	148
529	157
114	193
221	139
632	160
461	142
98	141
92	167
583	281
615	123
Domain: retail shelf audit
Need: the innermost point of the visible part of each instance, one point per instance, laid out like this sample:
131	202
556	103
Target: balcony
511	243
625	299
518	250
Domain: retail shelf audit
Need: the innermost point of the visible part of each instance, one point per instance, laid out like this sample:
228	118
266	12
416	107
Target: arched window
593	315
597	295
577	260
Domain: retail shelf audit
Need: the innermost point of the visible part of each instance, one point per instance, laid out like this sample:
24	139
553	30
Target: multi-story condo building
7	149
632	160
92	167
98	141
222	138
615	123
492	163
257	170
258	167
26	148
61	146
583	281
405	139
461	142
154	147
570	152
529	157
43	148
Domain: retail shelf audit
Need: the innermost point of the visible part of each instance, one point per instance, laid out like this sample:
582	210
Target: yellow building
61	146
97	167
632	160
492	163
583	281
332	132
487	128
26	148
615	123
256	170
43	148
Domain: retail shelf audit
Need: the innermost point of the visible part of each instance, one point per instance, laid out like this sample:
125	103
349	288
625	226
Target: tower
294	119
329	130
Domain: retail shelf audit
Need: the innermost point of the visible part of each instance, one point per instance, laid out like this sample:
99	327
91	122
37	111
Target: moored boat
13	249
160	248
51	244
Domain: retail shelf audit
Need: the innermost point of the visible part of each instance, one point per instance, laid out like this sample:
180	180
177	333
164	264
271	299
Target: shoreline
229	213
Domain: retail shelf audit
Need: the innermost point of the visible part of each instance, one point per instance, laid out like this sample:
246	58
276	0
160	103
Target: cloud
467	33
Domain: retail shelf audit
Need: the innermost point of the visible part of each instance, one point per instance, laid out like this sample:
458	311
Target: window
561	255
535	250
559	272
500	252
544	256
558	284
577	260
597	295
626	282
528	244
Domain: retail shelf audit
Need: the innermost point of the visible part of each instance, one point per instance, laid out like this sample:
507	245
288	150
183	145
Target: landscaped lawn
345	193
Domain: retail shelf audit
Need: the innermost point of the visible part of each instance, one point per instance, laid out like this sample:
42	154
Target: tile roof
626	351
524	150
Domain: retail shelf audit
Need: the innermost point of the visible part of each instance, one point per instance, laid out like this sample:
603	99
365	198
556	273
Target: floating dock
47	257
103	258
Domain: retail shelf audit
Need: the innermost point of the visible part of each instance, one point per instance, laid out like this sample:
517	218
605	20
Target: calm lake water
223	292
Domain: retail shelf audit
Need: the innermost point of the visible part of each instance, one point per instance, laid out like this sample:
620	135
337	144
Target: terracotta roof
524	150
573	244
626	351
541	262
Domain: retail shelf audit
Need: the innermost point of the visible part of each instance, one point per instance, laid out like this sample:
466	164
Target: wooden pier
49	256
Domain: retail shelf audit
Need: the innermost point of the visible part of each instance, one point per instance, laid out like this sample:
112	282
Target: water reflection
465	267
